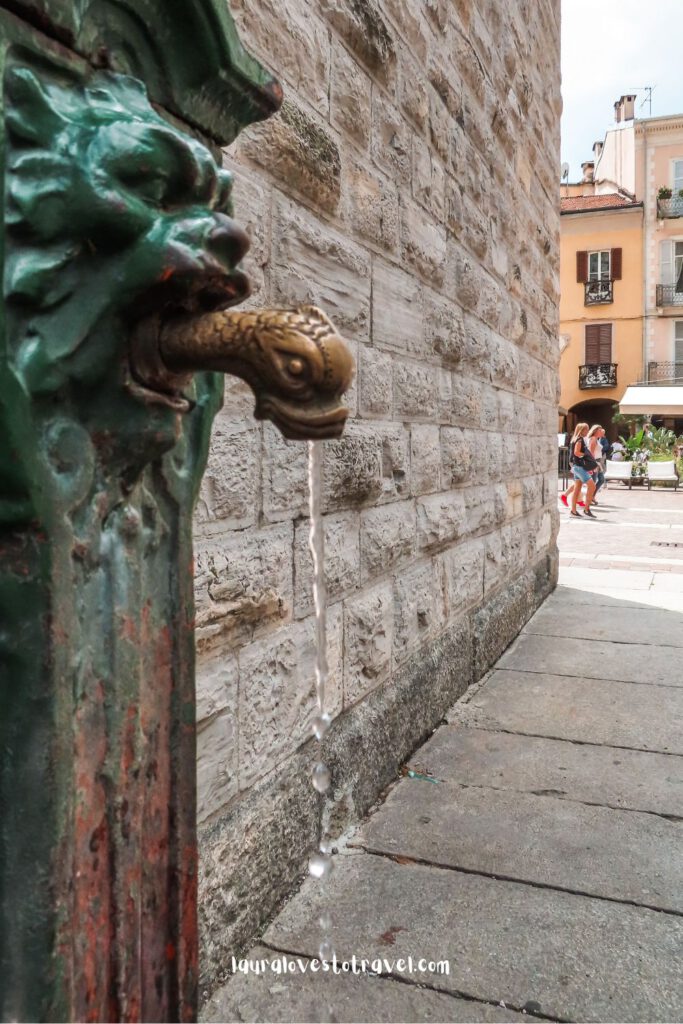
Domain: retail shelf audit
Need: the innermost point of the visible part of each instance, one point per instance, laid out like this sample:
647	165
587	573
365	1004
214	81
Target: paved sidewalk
541	855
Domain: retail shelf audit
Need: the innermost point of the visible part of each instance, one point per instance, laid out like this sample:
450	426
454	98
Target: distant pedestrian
583	465
595	436
617	453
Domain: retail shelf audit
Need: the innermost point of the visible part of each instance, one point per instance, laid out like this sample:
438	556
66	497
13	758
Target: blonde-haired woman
595	434
582	464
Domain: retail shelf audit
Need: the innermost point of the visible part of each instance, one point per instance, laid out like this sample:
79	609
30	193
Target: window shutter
605	343
666	263
616	264
582	267
592	344
598	344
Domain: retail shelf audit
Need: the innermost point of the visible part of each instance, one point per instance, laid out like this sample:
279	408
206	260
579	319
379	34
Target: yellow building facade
601	306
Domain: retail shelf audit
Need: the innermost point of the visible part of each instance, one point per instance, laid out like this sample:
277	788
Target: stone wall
408	187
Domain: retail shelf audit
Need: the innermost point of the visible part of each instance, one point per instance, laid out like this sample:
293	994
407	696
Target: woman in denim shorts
581	462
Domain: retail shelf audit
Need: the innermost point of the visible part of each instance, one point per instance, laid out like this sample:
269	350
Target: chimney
588	167
624	108
597	149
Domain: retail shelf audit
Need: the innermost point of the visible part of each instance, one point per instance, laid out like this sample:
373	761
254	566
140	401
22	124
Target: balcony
669	295
598	375
672	207
597	293
665	373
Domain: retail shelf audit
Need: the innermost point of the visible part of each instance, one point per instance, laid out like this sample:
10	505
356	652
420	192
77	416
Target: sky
611	47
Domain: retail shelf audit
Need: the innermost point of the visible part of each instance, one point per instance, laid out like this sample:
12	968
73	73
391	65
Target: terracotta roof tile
580	204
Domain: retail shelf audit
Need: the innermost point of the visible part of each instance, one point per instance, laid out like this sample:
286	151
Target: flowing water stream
320	863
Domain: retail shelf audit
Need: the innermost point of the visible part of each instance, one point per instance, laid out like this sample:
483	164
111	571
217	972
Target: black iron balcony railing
669	295
672	207
598	375
665	373
597	292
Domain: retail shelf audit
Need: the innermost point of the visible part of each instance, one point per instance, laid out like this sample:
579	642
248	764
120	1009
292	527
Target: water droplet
325	922
326	950
320	865
321	724
321	777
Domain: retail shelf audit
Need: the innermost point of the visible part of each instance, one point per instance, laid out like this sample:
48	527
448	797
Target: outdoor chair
619	471
662	471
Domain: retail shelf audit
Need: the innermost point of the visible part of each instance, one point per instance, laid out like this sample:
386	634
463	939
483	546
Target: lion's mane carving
107	205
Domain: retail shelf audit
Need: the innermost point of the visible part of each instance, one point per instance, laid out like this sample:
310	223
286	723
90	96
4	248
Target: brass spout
293	359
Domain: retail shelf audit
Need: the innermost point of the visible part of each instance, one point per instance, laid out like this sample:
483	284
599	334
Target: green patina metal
111	212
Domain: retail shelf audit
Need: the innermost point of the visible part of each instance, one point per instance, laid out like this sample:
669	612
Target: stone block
444	333
423	243
425	458
441	519
350	92
411	25
217	688
414	92
394	440
368	634
217	763
463	573
466	401
497	622
363	27
353	469
243	585
370	205
391	141
376	386
285	476
277	699
342	560
419	607
457	455
312	264
397	309
230	490
300	151
387	537
415	390
292	40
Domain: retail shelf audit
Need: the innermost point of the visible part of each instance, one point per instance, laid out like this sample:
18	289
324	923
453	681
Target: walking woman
595	435
582	464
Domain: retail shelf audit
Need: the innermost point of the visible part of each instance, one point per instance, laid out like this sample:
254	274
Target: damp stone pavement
537	845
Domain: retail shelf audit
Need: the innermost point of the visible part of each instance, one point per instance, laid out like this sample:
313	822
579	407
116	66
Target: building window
598	344
671	264
677	176
599	265
678	344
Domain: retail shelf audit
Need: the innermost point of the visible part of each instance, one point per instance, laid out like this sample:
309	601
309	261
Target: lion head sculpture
109	207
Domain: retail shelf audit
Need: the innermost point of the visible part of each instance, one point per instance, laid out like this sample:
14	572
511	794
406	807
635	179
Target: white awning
651	400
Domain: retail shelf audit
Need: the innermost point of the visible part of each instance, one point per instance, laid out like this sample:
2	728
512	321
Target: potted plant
664	193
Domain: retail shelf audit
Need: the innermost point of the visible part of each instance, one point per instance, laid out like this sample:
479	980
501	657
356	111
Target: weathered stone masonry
407	187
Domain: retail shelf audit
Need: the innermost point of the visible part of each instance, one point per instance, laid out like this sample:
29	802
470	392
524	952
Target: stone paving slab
616	579
664	581
572	957
567	593
595	659
627	626
598	851
573	771
583	710
300	997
